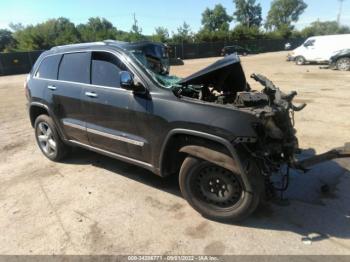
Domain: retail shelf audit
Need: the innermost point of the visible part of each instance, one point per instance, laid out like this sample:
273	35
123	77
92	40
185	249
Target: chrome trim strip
111	154
120	138
96	132
88	85
66	123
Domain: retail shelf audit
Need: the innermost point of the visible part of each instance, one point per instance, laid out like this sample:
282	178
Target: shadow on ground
307	211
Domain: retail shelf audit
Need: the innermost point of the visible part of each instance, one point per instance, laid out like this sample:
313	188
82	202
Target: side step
342	152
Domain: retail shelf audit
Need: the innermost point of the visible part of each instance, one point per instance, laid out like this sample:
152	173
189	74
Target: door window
75	67
105	69
309	43
49	67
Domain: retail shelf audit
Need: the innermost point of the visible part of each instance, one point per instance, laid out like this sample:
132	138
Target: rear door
44	78
66	93
109	123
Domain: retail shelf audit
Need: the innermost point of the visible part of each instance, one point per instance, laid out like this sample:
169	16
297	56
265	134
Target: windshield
164	80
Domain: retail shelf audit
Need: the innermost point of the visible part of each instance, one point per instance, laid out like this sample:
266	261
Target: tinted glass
75	68
309	43
49	67
105	69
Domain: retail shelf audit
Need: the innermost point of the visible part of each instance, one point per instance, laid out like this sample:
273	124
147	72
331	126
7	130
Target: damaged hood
224	75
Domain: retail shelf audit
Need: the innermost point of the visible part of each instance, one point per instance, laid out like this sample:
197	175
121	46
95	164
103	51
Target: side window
309	43
105	69
75	67
49	67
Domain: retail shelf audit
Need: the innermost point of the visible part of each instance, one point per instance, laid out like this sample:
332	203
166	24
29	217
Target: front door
109	121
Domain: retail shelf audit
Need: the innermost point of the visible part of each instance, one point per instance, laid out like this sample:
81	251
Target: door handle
91	94
51	87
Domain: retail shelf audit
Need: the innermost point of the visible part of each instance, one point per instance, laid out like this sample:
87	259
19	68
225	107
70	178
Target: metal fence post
1	67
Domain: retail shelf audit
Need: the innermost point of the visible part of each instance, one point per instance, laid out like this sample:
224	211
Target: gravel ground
92	204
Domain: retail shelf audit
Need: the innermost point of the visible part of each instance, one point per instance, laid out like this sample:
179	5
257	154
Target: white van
320	48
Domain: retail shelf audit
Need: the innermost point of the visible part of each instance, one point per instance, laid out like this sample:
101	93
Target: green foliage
283	13
242	32
16	27
45	35
6	40
161	35
216	19
97	29
183	35
324	28
248	13
136	32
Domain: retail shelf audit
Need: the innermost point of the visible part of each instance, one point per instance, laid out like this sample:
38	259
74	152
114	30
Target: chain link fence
203	50
22	62
18	62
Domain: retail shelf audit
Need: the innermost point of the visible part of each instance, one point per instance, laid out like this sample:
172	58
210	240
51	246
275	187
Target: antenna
340	10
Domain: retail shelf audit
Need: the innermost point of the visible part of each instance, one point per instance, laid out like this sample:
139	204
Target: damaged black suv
222	138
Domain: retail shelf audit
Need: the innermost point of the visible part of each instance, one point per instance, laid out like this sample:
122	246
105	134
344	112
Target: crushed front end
277	143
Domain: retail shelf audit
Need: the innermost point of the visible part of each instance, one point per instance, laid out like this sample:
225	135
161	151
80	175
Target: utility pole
340	11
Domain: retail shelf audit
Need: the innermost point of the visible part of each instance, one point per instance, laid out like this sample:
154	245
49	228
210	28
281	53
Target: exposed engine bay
276	144
224	83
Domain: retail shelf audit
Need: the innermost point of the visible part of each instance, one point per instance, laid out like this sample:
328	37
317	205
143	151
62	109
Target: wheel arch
36	109
181	143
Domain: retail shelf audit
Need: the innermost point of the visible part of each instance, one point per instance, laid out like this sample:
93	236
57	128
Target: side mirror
127	82
126	79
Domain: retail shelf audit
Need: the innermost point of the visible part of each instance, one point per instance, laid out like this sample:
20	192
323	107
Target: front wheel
300	60
215	192
343	64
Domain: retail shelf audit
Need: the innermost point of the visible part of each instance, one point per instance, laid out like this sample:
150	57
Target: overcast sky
149	13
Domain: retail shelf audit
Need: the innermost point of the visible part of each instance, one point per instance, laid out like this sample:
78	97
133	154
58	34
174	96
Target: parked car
221	138
235	49
341	60
319	49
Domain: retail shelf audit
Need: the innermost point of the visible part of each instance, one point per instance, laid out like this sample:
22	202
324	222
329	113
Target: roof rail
78	45
109	41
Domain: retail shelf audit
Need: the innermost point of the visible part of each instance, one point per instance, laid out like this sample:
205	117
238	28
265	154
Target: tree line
249	24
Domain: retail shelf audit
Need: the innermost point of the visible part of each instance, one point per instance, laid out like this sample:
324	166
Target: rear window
49	67
75	67
105	69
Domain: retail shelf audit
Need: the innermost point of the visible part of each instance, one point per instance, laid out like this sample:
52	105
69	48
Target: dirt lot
92	204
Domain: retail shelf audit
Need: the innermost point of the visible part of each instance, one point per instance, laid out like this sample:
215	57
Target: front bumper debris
304	164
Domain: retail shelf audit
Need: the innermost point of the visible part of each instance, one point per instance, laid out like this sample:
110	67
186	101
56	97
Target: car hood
224	75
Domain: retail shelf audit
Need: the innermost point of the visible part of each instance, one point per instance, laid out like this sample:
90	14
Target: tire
300	60
343	64
48	140
232	205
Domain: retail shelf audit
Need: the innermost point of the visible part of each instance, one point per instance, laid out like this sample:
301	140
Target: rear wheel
343	64
48	139
299	60
216	192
